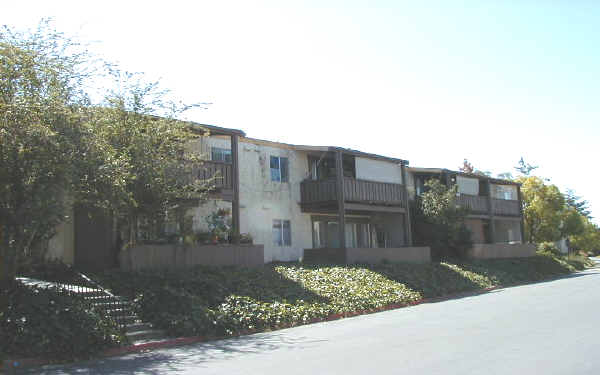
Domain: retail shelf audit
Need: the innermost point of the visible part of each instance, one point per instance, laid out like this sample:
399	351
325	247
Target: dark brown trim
373	208
522	224
217	130
235	204
407	224
339	177
491	212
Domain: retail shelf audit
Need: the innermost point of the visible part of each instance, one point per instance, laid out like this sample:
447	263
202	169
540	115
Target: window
220	154
279	169
282	233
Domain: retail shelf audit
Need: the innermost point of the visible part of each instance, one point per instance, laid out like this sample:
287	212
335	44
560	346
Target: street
544	328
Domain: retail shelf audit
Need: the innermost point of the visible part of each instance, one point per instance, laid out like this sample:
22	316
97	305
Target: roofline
469	175
218	130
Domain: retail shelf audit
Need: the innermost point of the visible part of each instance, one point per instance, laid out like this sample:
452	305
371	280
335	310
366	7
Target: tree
127	156
577	203
589	239
546	215
40	115
141	155
439	222
525	168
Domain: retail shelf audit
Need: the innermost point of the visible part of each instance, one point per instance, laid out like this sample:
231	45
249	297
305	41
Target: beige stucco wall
62	245
501	250
378	170
263	200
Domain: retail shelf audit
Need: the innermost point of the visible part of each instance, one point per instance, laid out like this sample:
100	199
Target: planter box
183	256
501	250
368	255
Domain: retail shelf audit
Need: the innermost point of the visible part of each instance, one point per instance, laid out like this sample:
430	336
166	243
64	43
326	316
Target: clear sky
432	82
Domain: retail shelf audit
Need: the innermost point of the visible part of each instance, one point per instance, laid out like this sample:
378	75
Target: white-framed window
220	154
279	169
282	232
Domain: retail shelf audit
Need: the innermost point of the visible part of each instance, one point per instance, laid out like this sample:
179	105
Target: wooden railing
360	191
219	172
505	207
479	205
475	203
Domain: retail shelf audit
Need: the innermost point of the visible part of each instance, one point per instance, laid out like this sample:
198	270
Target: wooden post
521	213
491	212
407	224
235	202
339	176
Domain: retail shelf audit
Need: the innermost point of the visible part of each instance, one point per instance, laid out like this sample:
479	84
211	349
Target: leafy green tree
142	159
546	215
588	239
41	103
439	222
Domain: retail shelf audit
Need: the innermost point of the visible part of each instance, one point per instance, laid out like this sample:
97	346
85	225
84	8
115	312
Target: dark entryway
94	239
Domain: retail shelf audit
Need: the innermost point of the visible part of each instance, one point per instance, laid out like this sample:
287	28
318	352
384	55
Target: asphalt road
545	328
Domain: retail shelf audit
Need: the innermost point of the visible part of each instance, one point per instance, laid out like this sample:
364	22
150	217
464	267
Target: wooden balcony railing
505	207
475	203
479	205
359	191
219	172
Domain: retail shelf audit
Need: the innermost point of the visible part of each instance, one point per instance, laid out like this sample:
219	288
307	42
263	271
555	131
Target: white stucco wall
378	170
263	200
467	185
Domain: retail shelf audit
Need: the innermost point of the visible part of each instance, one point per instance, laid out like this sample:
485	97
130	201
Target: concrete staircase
117	307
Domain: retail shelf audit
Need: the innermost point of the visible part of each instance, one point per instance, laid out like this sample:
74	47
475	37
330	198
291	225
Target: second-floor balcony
315	192
481	205
218	174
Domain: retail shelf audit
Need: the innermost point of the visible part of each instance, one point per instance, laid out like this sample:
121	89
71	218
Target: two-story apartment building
294	197
494	207
317	203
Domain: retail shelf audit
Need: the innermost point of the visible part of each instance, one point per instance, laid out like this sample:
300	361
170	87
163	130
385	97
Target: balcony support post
339	176
520	198
491	212
235	202
407	224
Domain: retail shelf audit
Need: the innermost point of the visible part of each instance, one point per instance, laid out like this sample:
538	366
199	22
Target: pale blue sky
490	81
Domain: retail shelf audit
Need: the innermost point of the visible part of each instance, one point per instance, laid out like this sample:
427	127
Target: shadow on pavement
183	358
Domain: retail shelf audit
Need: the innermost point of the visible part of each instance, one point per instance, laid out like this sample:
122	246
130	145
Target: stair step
150	334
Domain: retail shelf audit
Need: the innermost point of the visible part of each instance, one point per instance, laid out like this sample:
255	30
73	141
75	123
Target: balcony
218	174
505	207
478	205
324	192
